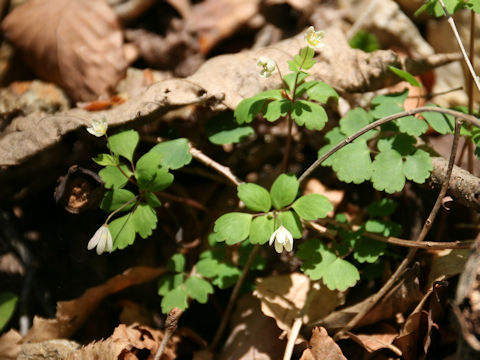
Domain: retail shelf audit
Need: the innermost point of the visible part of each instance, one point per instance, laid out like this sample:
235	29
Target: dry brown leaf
10	345
253	336
223	81
72	314
57	349
74	43
322	347
447	263
284	297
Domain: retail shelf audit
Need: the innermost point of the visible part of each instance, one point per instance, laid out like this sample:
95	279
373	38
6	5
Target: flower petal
278	247
272	238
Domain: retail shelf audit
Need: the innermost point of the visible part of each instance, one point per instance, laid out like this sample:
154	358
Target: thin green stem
288	144
120	209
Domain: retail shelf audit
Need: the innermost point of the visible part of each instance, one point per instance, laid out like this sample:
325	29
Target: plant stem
288	144
170	327
468	118
233	299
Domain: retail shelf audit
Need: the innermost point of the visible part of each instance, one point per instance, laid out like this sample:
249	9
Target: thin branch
468	118
170	327
462	48
221	169
411	254
233	299
392	239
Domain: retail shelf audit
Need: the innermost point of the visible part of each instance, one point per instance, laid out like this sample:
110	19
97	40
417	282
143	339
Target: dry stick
468	118
462	48
470	88
411	254
233	299
225	171
394	240
170	327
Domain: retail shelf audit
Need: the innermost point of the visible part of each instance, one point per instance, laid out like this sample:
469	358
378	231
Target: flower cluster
98	128
314	38
267	65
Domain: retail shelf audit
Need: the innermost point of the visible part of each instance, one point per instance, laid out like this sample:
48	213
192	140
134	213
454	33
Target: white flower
102	239
314	38
98	128
267	65
282	238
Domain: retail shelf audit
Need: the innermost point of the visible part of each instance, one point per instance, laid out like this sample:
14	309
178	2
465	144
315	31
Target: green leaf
291	222
227	276
405	76
169	282
106	160
113	177
124	143
223	129
152	199
441	123
233	227
149	173
356	120
312	206
290	79
116	198
284	190
176	263
198	289
310	114
276	109
145	220
303	87
321	92
385	228
352	163
123	231
334	137
175	298
208	267
254	197
368	250
387	172
261	229
249	108
473	5
305	60
385	105
402	143
8	301
322	263
412	126
175	153
383	207
417	167
365	41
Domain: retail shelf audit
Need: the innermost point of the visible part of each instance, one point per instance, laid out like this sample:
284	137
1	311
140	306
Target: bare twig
394	240
468	118
451	22
411	254
221	169
233	299
170	327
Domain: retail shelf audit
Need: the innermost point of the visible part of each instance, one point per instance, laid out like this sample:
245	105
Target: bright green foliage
145	220
434	8
312	207
383	207
302	61
152	199
334	137
284	190
310	114
254	197
223	129
368	250
405	76
387	171
113	177
8	301
444	124
169	282
198	289
116	198
291	222
385	228
223	275
249	108
124	143
403	143
123	231
365	41
176	263
385	105
352	163
417	167
412	126
354	121
207	267
322	263
261	229
106	160
321	92
150	174
276	109
174	153
174	298
233	227
294	78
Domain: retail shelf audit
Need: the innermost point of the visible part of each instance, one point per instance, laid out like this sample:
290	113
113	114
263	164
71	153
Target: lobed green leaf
233	227
312	206
284	190
254	197
387	172
124	143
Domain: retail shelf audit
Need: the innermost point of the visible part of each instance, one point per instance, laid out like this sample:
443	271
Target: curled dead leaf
74	43
322	347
